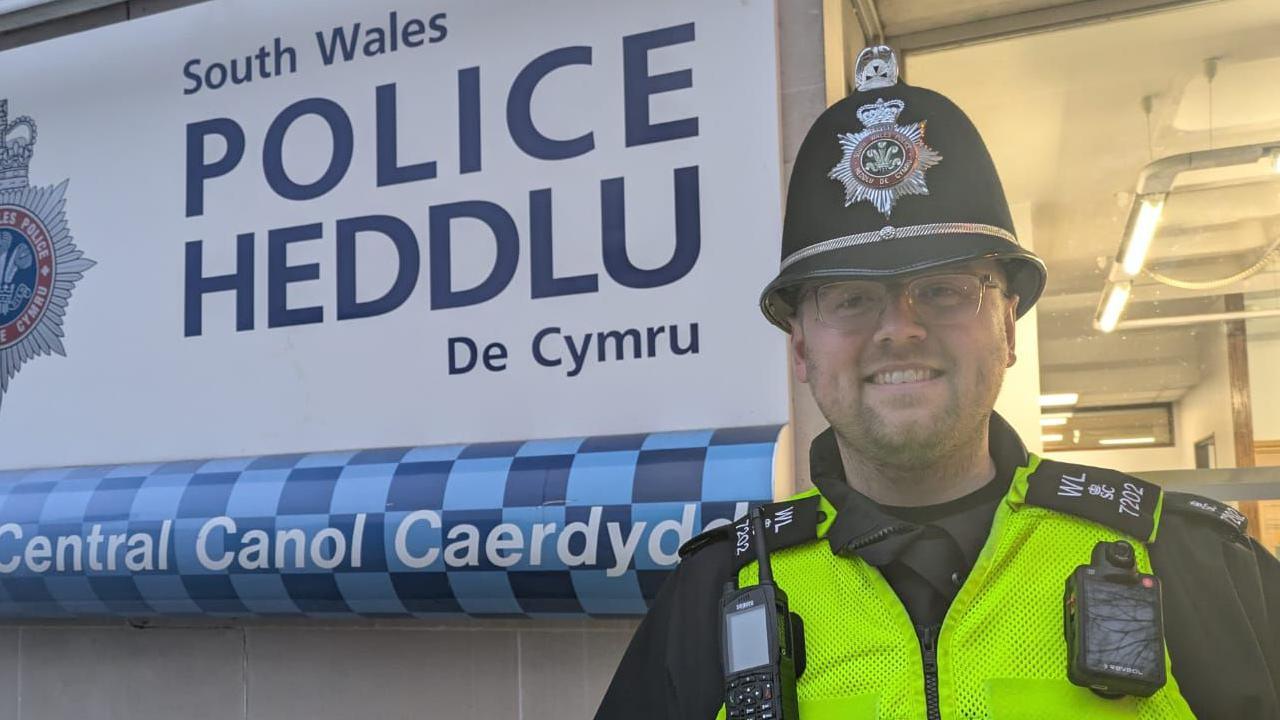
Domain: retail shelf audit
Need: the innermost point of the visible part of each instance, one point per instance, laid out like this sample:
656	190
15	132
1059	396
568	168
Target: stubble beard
921	444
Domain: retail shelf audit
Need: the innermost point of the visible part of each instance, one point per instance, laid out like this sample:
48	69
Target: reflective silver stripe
889	232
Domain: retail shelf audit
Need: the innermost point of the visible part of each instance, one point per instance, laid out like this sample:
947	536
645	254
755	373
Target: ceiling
913	25
905	17
1062	114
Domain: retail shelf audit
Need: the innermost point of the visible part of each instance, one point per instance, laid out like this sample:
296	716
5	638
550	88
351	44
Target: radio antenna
762	552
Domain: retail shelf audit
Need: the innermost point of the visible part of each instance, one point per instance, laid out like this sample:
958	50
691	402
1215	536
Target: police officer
931	580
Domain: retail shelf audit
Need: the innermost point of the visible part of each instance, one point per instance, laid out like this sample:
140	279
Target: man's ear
1011	328
799	351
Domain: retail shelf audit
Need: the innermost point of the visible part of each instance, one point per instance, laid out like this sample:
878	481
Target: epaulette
786	524
1213	510
1108	497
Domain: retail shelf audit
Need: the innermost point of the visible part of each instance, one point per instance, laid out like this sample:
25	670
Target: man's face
902	392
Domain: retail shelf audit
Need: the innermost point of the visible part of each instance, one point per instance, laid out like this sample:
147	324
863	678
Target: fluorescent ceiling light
1144	229
1052	421
1117	298
1155	181
1127	441
1059	399
1051	437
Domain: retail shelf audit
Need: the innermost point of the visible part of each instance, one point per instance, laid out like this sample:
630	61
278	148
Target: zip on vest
929	656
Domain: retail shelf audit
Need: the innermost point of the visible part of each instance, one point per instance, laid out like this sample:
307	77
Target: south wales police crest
39	263
884	161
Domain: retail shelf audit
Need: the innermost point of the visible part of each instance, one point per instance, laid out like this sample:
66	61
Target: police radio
1114	626
762	644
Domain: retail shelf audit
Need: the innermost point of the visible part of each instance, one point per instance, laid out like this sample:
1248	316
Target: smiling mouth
902	377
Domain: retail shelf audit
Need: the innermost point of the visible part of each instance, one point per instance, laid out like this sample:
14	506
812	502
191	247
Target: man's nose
899	321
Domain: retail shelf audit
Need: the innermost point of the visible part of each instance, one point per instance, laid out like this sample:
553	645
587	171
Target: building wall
460	669
804	101
1206	408
1264	380
202	669
205	670
1019	400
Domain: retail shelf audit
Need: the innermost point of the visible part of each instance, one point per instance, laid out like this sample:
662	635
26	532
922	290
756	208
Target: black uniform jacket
1221	606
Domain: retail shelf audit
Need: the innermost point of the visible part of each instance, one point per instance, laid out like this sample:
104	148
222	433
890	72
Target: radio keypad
751	698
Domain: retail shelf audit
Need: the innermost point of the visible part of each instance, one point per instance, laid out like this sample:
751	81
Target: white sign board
329	225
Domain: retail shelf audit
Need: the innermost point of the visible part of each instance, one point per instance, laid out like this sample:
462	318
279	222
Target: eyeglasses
936	300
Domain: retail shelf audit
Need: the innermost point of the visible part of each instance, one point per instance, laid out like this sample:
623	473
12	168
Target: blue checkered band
581	526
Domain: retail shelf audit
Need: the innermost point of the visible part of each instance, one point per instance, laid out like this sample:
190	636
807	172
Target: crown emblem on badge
39	261
17	143
881	112
885	160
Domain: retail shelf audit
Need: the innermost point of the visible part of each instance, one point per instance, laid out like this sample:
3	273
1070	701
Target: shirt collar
861	526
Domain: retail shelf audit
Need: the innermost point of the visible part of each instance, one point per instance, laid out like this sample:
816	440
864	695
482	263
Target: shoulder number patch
1208	508
1108	497
786	523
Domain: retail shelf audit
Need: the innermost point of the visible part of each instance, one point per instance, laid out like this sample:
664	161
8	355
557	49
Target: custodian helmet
872	196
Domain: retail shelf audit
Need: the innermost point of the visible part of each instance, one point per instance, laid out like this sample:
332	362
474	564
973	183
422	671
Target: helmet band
889	232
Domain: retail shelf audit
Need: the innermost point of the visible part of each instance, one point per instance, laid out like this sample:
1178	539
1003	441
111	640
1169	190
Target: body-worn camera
762	645
1114	625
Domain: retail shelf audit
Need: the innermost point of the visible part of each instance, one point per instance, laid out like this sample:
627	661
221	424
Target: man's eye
941	292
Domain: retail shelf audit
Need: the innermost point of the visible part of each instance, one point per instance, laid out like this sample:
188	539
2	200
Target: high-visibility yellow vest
1001	652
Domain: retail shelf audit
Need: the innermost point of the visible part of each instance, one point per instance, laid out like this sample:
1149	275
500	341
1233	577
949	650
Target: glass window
1108	428
1093	129
1141	158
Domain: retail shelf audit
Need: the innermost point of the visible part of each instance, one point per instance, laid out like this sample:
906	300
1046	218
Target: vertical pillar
802	68
1019	401
842	39
1241	403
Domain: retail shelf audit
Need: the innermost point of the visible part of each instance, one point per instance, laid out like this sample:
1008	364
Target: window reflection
1073	117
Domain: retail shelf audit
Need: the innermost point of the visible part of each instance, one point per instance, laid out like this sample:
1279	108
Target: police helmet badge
885	160
39	263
